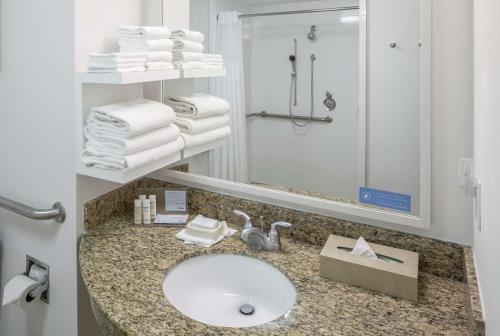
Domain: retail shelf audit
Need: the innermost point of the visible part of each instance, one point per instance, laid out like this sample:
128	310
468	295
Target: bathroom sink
229	290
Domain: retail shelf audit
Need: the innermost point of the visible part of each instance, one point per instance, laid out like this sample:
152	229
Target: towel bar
286	116
57	211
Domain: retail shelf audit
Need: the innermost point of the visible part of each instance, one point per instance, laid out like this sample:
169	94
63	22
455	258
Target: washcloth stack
201	118
116	62
188	49
130	134
155	42
214	61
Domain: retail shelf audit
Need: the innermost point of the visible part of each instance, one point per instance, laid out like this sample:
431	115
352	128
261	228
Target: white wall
37	150
486	152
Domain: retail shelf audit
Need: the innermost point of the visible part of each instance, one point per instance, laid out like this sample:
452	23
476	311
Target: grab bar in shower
57	211
286	116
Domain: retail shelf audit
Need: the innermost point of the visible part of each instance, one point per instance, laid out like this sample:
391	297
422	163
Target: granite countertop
124	268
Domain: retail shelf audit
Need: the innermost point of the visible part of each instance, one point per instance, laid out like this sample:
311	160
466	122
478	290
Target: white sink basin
212	289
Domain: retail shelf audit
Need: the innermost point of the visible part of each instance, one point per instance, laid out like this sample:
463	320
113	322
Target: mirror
329	99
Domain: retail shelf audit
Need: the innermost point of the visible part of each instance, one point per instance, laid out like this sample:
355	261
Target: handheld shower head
293	59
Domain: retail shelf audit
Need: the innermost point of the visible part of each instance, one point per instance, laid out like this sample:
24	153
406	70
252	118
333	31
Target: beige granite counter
124	267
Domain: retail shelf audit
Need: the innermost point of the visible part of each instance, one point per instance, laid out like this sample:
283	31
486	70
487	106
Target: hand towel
105	142
158	66
213	56
118	70
193	140
133	45
198	105
159	56
196	126
130	118
117	57
188	239
189	35
99	65
95	158
188	56
214	66
189	65
149	32
184	45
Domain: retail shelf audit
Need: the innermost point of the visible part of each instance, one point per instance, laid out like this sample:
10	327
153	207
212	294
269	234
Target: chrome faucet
256	238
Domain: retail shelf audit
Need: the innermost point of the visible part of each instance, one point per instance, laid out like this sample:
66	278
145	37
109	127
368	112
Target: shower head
312	33
293	59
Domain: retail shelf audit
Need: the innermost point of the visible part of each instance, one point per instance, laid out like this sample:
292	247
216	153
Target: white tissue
17	289
363	249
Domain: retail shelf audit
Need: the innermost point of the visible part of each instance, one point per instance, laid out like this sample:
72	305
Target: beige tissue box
398	279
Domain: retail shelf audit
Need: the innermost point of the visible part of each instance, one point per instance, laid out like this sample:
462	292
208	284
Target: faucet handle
248	220
274	235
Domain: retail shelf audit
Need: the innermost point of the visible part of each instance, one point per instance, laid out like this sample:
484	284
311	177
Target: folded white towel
149	32
159	56
135	45
189	65
184	45
214	61
214	66
193	140
158	66
198	105
213	56
189	35
118	70
116	57
104	160
104	65
130	118
188	56
188	239
196	126
105	142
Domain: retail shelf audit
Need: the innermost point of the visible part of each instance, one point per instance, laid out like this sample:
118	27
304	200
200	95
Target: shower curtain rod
320	10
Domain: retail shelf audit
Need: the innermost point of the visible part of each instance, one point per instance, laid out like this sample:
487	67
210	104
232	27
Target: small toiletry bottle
137	212
146	212
142	197
152	204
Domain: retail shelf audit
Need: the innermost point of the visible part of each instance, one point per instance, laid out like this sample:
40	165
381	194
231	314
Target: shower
311	36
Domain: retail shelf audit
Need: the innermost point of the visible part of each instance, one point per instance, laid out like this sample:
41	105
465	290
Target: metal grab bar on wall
57	211
286	116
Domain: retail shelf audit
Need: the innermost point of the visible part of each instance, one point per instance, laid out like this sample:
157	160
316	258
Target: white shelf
127	78
127	176
202	73
188	152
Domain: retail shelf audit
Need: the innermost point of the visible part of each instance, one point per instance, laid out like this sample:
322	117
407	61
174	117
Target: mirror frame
346	211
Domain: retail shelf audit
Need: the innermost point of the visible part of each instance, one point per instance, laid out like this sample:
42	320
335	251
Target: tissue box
394	273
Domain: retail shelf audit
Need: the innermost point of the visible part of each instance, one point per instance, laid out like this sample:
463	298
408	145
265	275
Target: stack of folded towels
155	42
116	62
214	61
130	134
188	49
201	118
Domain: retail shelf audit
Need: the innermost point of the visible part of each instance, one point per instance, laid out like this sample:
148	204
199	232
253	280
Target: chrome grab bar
57	211
286	116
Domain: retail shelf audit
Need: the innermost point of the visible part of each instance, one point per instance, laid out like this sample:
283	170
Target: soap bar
204	222
205	233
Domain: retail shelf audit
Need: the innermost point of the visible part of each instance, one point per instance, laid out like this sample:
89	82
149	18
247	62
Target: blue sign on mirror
385	199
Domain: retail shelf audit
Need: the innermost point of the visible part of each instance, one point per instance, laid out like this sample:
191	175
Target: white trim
363	91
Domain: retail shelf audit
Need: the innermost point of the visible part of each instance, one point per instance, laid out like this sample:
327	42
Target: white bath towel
189	35
104	160
198	105
213	56
118	70
128	45
117	145
184	45
117	57
104	65
159	56
188	56
158	66
150	32
130	118
193	140
196	126
189	65
214	66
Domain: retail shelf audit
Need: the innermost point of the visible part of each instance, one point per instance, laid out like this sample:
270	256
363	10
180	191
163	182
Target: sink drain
247	309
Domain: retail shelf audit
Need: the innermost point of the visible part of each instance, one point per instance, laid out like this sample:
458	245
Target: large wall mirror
330	106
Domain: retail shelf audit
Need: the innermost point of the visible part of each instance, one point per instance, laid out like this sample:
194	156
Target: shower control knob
329	103
393	44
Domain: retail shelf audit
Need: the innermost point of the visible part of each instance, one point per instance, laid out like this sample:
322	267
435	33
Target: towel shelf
57	211
286	116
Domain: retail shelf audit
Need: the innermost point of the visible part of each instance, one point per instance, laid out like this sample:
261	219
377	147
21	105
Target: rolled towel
104	160
117	145
198	105
117	70
159	56
133	45
184	45
130	118
189	65
188	56
149	32
158	66
189	35
196	126
193	140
